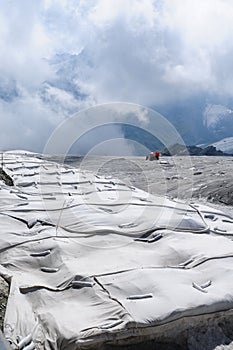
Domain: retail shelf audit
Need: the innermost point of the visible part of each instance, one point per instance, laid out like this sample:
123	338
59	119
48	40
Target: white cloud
214	113
200	24
151	52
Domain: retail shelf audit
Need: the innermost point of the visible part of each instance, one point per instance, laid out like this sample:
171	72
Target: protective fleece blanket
93	261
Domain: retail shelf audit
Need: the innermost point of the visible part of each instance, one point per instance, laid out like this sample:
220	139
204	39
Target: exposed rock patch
6	178
4	291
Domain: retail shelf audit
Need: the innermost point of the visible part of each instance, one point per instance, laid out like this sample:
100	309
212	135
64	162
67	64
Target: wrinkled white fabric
91	259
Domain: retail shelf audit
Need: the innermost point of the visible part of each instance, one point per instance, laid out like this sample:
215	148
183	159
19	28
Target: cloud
214	113
60	56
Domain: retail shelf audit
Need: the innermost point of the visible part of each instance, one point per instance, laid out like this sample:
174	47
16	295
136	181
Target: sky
58	57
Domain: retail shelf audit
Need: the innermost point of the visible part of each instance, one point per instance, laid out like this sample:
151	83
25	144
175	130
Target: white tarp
92	260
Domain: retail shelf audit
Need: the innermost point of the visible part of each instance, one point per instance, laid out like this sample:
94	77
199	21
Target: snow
225	145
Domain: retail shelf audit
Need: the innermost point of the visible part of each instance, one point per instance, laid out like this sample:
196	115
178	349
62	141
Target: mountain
198	119
200	122
225	145
180	150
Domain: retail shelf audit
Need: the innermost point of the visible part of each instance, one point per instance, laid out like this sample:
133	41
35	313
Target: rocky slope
179	150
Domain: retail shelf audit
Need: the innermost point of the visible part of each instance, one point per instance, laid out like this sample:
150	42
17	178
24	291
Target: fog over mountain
61	56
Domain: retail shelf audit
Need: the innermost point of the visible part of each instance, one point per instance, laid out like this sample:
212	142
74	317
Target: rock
6	178
180	150
4	290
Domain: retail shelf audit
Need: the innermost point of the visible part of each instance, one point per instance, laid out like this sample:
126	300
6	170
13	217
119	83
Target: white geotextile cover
93	260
